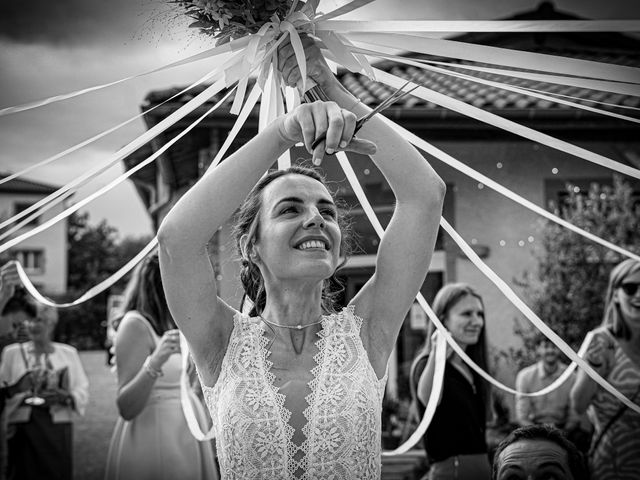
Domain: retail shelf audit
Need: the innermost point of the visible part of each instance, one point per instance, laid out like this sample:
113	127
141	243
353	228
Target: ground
92	433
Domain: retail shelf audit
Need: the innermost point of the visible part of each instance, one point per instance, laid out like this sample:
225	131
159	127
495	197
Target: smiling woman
455	441
293	386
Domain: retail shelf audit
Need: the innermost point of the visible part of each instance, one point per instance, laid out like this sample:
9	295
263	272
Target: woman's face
39	328
465	320
628	297
299	235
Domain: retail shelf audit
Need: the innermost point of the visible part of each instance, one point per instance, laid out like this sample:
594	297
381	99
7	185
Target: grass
92	433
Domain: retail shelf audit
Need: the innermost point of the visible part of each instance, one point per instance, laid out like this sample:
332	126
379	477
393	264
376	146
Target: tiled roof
485	96
21	185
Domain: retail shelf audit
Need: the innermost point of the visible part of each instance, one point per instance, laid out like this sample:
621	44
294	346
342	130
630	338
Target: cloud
74	22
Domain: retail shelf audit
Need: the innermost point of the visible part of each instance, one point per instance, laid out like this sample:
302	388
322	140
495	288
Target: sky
54	47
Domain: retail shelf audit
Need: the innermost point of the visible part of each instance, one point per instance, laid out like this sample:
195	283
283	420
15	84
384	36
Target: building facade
43	256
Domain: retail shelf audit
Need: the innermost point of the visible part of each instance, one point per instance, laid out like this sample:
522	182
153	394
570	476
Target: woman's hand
435	339
57	396
600	354
9	279
167	346
309	121
317	68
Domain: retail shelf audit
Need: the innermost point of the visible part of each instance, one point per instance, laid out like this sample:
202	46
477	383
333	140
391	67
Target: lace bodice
343	414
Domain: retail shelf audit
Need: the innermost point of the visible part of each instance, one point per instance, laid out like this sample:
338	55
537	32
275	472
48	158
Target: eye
328	212
289	209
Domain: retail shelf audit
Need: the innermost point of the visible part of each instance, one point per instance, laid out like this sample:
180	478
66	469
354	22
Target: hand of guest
25	383
435	339
167	346
600	354
57	396
9	279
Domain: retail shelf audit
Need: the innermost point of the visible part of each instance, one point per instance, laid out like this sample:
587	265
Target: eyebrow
322	201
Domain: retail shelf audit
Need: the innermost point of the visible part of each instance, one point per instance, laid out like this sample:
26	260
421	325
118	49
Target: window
19	207
31	260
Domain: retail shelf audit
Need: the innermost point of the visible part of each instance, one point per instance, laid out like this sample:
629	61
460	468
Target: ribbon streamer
92	292
197	101
463	26
227	48
501	56
508	125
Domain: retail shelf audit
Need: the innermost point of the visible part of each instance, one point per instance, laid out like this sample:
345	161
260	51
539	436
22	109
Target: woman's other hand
167	346
317	68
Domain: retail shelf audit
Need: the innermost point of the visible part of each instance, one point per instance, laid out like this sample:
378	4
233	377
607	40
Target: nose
314	219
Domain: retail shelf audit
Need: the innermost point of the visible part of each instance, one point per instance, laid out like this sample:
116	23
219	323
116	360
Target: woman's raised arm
187	273
405	251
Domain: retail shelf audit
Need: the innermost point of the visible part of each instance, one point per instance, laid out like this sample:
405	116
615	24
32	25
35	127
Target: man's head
547	352
536	452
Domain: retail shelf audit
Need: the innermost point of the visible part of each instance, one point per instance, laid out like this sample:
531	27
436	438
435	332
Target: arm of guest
524	405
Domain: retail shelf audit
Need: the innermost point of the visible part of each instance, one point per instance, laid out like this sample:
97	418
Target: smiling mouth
313	244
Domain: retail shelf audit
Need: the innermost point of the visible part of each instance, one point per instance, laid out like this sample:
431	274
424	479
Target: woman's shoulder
134	323
11	350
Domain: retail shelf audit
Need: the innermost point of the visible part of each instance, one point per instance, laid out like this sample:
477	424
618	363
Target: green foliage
568	288
94	255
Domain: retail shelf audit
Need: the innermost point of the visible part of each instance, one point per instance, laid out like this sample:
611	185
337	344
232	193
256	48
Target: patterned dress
343	413
617	456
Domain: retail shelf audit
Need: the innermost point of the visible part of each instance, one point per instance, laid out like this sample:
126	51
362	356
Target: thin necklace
292	327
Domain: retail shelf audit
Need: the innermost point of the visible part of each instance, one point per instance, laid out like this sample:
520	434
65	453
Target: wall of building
52	279
510	231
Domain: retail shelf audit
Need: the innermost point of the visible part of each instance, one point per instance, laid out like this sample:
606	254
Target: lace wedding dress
343	413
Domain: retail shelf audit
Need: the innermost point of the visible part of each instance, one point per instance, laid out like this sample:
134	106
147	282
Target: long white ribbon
102	134
501	56
506	86
227	48
197	101
508	125
92	292
458	165
451	26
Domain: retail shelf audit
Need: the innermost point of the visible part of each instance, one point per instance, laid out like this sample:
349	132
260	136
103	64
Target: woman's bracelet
151	371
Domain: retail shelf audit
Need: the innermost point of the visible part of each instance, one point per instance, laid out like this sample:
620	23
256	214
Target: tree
94	255
568	289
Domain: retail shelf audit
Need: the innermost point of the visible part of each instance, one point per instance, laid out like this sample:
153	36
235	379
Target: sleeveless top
617	455
250	420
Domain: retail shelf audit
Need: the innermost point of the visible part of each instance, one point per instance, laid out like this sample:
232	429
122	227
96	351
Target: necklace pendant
299	327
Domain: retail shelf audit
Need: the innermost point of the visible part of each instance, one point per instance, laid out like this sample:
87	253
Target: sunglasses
630	288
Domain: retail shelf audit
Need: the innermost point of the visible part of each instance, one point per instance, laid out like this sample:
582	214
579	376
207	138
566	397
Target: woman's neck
42	345
292	306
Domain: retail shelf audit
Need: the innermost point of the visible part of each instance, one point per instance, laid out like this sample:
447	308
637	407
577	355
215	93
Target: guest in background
538	452
553	408
151	439
615	354
15	306
40	419
455	441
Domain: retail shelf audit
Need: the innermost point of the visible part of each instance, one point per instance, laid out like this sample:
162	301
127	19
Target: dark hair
20	302
613	318
248	223
544	432
449	295
145	294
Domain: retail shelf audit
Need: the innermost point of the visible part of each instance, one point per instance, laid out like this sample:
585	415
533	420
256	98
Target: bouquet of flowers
227	20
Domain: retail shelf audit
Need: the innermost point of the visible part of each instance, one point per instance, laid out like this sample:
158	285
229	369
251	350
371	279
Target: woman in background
455	441
40	411
615	354
151	439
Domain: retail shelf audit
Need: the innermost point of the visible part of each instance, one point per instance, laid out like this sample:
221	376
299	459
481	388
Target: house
43	256
503	233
